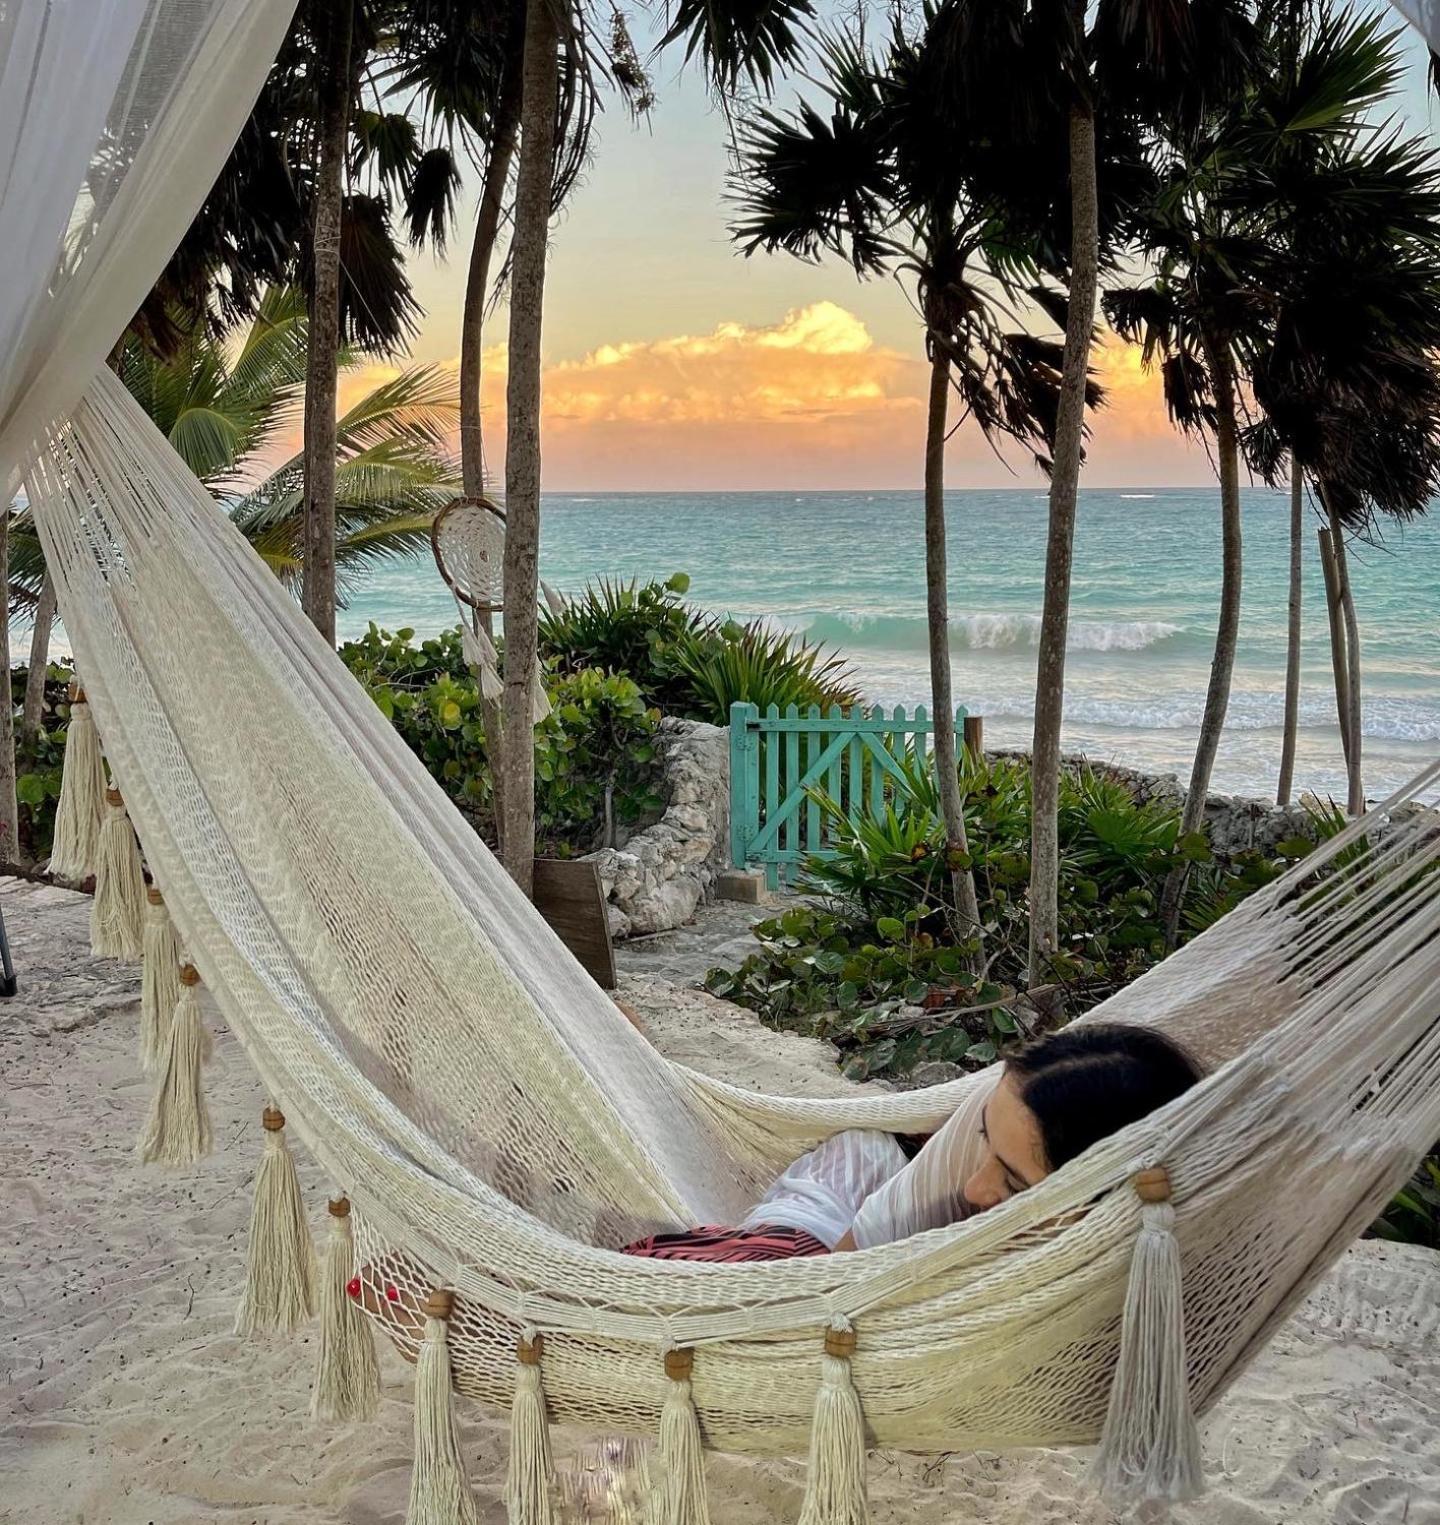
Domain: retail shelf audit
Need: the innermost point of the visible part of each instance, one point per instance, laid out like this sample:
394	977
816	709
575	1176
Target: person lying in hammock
1040	1109
1046	1105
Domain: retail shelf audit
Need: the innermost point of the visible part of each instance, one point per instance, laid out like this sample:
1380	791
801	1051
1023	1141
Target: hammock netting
498	1126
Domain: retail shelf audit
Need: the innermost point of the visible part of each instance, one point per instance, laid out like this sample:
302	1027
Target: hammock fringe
347	1375
439	1491
159	980
81	808
682	1500
177	1130
835	1482
279	1290
117	916
528	1488
1150	1447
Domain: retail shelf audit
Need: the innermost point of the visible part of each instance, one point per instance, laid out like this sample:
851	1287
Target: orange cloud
812	400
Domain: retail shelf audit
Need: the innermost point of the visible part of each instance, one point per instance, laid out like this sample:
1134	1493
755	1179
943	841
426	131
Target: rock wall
657	878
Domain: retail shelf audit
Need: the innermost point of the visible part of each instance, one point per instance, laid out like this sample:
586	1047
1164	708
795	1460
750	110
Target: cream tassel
82	795
117	917
553	602
483	660
280	1264
1150	1448
347	1376
532	1470
835	1487
539	699
177	1131
439	1492
682	1454
160	979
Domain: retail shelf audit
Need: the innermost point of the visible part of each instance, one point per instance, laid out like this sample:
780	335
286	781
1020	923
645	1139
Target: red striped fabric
729	1246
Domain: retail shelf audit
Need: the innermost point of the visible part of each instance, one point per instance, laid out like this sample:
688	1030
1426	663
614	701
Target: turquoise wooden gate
777	759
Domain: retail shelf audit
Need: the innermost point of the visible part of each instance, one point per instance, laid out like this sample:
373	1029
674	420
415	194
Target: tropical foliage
596	756
869	963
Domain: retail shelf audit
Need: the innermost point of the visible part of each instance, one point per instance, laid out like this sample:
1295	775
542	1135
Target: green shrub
38	763
686	662
876	942
732	663
629	628
596	759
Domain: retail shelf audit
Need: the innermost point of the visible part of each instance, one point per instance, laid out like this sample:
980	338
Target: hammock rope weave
500	1128
497	1126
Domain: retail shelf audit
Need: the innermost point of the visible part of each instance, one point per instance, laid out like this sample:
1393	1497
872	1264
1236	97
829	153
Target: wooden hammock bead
113	796
529	1352
679	1364
840	1343
153	895
438	1304
1153	1185
189	974
272	1119
339	1207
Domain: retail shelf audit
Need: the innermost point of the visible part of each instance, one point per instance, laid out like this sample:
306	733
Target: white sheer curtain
115	118
1424	16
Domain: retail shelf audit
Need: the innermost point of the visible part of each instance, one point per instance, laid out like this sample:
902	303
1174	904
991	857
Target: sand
126	1398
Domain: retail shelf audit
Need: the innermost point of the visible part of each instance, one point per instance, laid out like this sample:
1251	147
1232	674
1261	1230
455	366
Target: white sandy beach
127	1400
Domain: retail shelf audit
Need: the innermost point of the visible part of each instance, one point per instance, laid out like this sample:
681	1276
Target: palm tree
1228	182
1349	384
883	180
560	58
226	413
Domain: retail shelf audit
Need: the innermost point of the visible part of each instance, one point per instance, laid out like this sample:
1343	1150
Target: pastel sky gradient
674	363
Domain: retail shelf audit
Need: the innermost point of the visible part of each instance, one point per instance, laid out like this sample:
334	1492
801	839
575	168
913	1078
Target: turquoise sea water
848	569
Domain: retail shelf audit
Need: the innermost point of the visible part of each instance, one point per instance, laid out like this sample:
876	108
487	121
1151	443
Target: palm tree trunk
323	314
9	807
472	351
1222	664
477	282
1064	486
522	447
34	710
937	608
1291	727
1335	619
1355	801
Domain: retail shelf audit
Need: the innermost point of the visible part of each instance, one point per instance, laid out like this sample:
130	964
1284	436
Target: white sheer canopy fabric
115	118
1424	16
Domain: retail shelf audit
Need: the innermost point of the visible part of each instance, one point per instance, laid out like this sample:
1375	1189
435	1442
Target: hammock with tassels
493	1127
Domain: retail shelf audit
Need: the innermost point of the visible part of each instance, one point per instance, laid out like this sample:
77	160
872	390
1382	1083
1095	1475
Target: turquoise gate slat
777	759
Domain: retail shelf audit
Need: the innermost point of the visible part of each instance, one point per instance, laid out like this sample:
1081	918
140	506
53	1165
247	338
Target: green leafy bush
596	756
38	764
733	663
870	962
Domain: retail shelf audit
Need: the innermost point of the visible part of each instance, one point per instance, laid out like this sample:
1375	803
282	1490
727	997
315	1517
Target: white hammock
500	1128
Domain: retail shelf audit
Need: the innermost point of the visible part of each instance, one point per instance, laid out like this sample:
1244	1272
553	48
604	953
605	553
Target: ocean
847	569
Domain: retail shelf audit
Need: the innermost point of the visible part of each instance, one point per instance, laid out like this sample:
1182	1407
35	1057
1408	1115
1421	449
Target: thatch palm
1228	184
1349	381
225	413
885	181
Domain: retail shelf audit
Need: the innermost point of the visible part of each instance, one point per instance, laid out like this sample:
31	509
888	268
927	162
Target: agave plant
755	665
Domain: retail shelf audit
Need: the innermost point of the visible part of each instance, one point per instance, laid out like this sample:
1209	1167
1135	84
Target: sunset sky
674	363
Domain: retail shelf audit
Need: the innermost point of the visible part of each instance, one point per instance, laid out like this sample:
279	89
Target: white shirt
860	1182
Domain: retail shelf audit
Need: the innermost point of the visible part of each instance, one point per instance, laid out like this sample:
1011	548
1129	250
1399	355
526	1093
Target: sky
674	363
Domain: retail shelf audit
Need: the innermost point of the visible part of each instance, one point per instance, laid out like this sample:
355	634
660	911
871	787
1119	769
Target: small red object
391	1295
353	1286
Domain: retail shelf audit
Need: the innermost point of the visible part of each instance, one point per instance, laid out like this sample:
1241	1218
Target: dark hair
1086	1082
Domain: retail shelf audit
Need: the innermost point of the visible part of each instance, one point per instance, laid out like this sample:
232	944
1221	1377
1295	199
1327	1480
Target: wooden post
975	735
